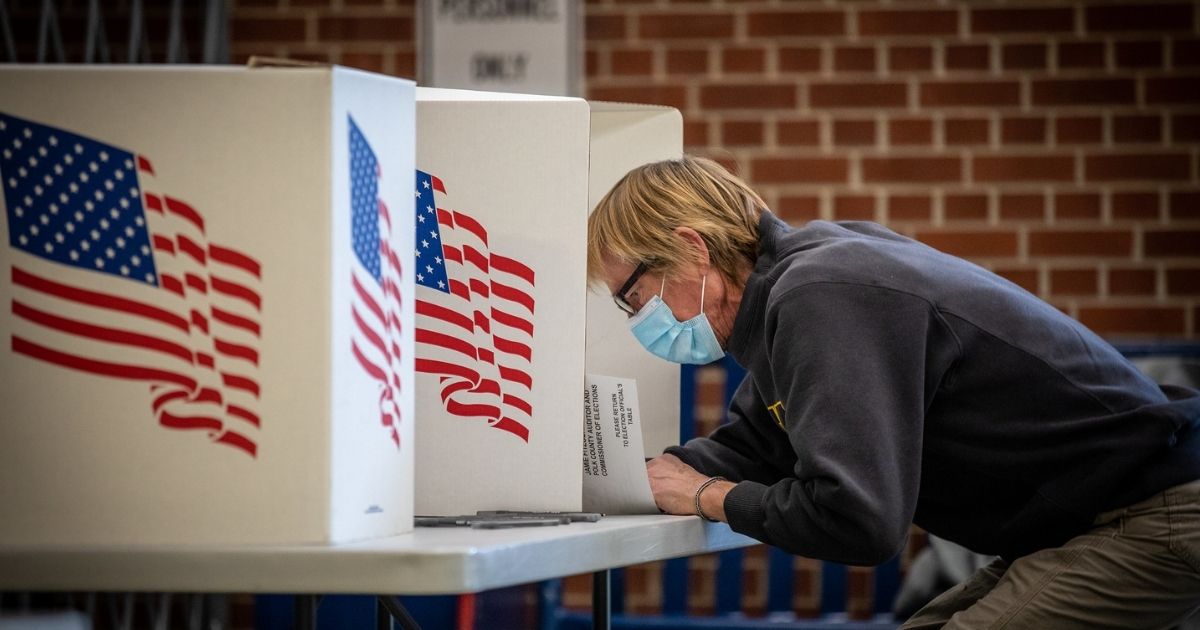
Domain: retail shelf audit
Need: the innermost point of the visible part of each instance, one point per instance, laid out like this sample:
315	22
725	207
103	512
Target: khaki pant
1137	568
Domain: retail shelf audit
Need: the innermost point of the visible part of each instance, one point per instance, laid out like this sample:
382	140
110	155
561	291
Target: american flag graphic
474	316
376	280
141	293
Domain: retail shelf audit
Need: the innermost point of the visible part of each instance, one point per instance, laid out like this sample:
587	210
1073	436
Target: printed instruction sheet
614	466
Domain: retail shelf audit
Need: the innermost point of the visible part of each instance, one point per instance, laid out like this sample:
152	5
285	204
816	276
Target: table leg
306	611
601	600
398	612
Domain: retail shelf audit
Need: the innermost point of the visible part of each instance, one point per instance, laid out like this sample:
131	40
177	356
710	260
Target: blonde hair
635	221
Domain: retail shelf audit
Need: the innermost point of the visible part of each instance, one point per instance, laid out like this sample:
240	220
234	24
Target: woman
888	384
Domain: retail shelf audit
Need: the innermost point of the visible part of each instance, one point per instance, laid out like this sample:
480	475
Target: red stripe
368	332
366	298
450	252
512	347
208	394
154	203
445	217
430	366
393	259
236	350
185	211
189	247
112	335
172	421
164	244
473	256
513	427
510	266
236	321
196	282
445	341
166	398
482	322
199	321
366	364
519	403
463	410
487	356
450	316
513	295
233	289
437	184
471	225
234	258
243	383
171	283
460	289
383	213
93	298
204	359
244	414
238	441
144	165
516	376
103	368
479	288
512	321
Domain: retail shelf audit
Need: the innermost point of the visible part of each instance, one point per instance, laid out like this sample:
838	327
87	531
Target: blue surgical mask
693	341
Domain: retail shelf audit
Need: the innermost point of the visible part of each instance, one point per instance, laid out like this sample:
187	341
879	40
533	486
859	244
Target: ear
696	243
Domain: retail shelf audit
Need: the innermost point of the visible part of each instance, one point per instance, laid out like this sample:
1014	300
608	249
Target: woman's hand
674	485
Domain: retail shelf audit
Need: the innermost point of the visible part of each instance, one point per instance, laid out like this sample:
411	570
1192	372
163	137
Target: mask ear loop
703	281
663	286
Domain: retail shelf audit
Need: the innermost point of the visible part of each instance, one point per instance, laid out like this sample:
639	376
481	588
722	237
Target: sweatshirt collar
749	319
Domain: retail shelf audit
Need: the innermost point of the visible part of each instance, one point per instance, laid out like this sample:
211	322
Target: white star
99	263
74	187
441	285
78	148
74	255
84	245
49	180
37	189
433	234
424	244
28	200
437	259
68	159
124	270
416	193
49	248
114	213
70	226
110	253
119	175
33	229
89	205
20	211
108	184
145	250
58	236
63	197
27	133
138	220
44	219
429	209
33	161
420	218
129	231
99	195
428	269
12	182
83	177
420	278
24	239
149	277
104	224
124	203
58	169
17	143
8	154
95	235
128	163
53	208
104	156
78	215
93	167
22	172
133	192
426	183
3	125
136	260
53	141
42	151
417	252
121	242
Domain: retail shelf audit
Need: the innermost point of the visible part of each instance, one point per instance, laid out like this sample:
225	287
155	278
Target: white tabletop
427	561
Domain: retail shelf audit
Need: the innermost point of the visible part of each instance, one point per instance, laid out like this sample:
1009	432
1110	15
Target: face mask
664	336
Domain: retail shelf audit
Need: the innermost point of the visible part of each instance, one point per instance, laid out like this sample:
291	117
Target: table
427	561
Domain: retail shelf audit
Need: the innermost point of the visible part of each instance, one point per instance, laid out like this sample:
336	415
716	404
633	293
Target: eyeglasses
619	297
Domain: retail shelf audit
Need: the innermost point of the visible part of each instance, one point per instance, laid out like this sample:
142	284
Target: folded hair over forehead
635	222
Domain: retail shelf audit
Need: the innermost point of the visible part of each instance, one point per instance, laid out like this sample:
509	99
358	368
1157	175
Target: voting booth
207	335
504	186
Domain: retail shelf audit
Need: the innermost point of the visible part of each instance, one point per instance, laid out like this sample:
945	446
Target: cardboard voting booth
207	320
505	182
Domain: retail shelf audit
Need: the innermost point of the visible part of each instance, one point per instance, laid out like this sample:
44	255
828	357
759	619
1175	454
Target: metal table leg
601	600
398	612
306	611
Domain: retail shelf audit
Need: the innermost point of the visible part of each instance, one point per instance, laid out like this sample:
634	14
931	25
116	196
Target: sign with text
529	46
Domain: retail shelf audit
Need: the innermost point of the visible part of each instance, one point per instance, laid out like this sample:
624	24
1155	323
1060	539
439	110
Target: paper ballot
614	468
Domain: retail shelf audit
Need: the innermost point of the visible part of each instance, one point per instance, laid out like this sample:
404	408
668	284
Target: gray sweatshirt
888	384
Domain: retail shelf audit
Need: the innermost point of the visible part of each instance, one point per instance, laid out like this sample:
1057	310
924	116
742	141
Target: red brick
853	132
1080	243
799	209
1185	204
632	62
670	95
1036	167
1024	130
801	59
1183	281
910	131
372	62
1137	129
970	93
990	244
405	63
1139	17
1083	91
925	22
1185	53
604	27
1022	20
912	169
854	59
854	208
749	96
1079	130
742	132
798	170
1081	55
243	30
1022	206
798	132
1025	278
374	28
685	26
1132	166
1074	282
910	58
795	23
1168	243
1144	54
743	60
1023	57
965	207
858	94
591	62
967	131
1076	206
1174	90
687	61
968	57
1131	282
695	133
910	208
1147	320
1185	128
